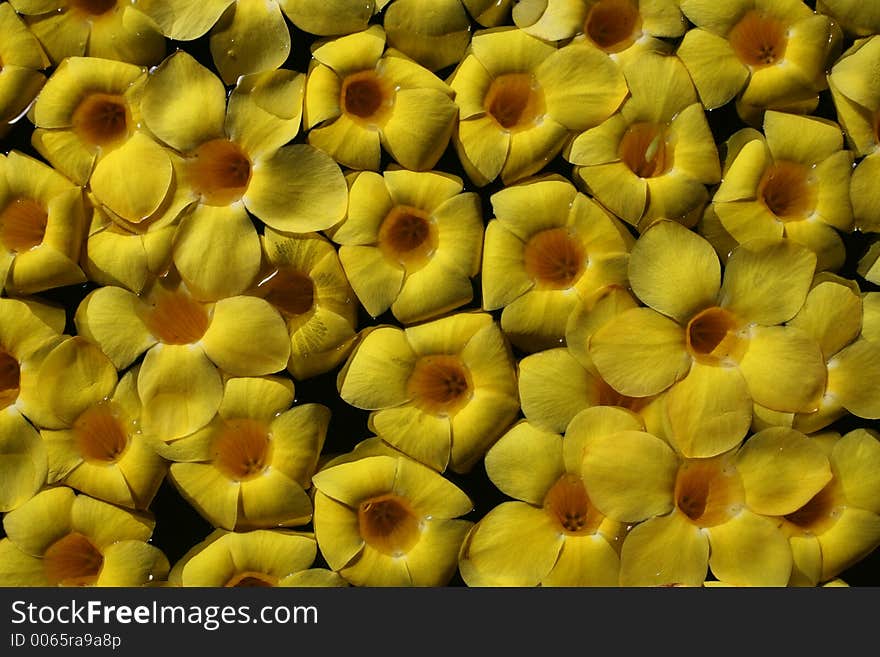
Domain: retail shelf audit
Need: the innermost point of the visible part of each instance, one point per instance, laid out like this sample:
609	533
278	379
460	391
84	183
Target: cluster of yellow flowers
515	236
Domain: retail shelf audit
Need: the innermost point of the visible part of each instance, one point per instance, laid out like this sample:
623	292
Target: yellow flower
548	248
715	345
92	436
551	534
653	158
411	241
237	159
719	512
441	392
88	108
435	33
489	13
832	315
246	36
857	103
791	182
59	538
856	17
109	29
520	98
250	466
840	524
304	280
764	53
187	343
28	330
22	60
389	521
361	99
331	17
42	226
614	26
260	557
550	406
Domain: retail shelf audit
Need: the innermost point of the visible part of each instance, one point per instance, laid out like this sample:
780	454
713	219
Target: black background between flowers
179	526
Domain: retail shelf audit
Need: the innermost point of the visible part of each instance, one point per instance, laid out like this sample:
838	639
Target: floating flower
520	98
551	534
304	280
694	513
361	99
245	36
715	345
614	26
331	17
256	558
389	521
92	438
548	248
59	538
840	524
236	159
832	315
857	102
187	343
857	18
109	29
550	406
765	54
22	59
250	466
411	241
441	392
42	226
791	182
653	158
435	33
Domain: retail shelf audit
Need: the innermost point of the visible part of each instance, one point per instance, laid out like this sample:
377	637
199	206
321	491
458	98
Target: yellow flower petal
509	50
847	373
660	88
488	557
531	150
525	462
585	561
633	489
232	341
40	521
709	410
749	220
640	352
504	278
470	81
234	50
265	111
854	536
373	278
749	550
433	33
482	147
434	559
419	129
378	370
298	189
431	291
64	151
617	188
273	500
663	551
592	423
322	95
478	424
599	145
18	568
714	67
853	459
424	190
695	151
544	402
128	35
109	316
429	492
426	438
299	436
351	483
328	17
674	270
832	314
377	569
799	470
217	251
258	398
213	495
337	532
184	20
537	319
23	460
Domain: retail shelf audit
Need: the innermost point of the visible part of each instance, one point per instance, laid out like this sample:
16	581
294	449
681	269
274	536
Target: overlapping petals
21	76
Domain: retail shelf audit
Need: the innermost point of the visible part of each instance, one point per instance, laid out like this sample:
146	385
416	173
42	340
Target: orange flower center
242	450
708	491
645	151
568	504
101	119
100	434
820	513
10	379
219	171
554	258
613	25
250	579
22	225
290	291
712	337
93	7
440	384
515	101
366	97
788	191
408	236
758	39
177	318
388	524
72	561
